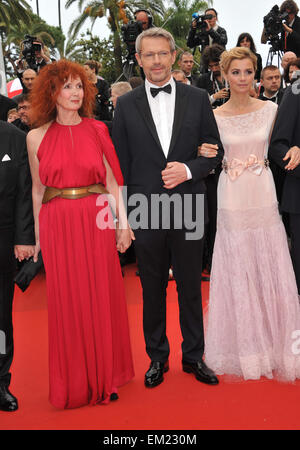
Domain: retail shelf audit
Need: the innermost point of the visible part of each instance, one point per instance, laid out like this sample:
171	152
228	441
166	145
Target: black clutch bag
28	271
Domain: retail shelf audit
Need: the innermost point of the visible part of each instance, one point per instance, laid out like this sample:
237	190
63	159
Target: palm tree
116	11
11	12
14	12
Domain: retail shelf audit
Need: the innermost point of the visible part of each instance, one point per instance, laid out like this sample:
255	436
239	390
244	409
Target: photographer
282	28
291	35
143	16
130	31
33	55
209	31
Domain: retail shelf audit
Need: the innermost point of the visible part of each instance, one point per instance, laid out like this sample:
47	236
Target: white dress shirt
162	108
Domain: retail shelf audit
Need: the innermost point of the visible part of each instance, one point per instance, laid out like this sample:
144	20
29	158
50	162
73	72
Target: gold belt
73	193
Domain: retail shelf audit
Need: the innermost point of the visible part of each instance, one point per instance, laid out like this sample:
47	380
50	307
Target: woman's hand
23	251
294	155
208	150
124	237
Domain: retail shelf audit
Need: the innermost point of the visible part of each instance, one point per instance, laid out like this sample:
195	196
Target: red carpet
180	403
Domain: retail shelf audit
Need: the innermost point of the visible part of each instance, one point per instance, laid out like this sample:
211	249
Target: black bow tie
155	91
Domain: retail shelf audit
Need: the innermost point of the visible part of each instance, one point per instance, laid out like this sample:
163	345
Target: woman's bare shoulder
35	136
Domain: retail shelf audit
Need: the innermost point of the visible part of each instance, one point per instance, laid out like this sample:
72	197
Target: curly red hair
47	86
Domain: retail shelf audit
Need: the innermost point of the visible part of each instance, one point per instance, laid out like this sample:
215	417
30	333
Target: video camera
30	46
273	27
130	33
200	20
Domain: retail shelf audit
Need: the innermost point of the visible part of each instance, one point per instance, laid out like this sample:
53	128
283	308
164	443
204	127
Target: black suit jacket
140	153
286	134
276	99
206	83
15	186
5	105
293	39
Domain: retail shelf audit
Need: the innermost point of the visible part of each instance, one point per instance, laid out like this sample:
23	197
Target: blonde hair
236	53
122	87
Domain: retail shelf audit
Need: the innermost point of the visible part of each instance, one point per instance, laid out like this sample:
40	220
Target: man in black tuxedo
16	241
186	64
157	129
284	150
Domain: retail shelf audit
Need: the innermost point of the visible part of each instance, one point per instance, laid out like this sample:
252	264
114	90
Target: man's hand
174	174
208	25
23	252
222	93
294	155
287	28
20	64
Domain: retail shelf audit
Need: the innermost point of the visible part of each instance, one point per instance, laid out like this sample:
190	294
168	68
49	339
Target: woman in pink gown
254	312
89	345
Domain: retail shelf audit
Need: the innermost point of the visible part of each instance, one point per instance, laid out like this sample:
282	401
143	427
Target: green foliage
14	12
101	50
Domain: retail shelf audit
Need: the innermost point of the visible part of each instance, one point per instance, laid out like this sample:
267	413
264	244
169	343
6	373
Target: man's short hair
135	82
211	9
155	32
184	54
26	70
22	98
265	69
177	72
122	87
289	5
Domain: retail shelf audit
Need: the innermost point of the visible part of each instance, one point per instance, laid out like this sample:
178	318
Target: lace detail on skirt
254	307
250	218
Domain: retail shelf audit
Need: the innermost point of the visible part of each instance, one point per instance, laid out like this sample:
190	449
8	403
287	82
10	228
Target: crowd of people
227	138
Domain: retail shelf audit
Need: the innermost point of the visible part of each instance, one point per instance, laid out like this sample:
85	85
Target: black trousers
156	250
294	222
7	273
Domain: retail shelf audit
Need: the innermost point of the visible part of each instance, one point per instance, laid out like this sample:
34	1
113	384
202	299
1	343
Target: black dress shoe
201	371
114	397
7	401
154	376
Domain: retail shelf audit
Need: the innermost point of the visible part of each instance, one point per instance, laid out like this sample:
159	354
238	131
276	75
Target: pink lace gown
254	311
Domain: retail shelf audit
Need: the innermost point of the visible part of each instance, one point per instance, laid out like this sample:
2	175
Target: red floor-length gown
89	344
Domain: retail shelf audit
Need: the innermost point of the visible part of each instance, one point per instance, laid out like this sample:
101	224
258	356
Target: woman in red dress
72	161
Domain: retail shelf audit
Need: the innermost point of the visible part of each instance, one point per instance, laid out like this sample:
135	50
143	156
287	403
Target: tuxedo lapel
144	109
179	113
